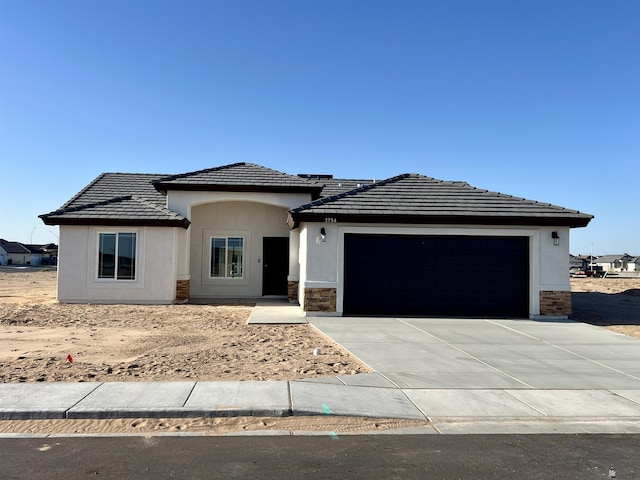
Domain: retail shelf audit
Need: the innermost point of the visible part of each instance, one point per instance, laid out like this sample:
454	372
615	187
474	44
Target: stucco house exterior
621	262
408	245
16	254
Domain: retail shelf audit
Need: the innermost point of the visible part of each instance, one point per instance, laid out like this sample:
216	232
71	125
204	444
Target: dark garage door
436	275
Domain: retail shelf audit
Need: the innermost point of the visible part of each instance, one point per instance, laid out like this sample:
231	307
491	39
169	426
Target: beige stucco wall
155	275
250	220
322	263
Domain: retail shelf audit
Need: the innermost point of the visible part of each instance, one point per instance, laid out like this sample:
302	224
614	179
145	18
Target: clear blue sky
538	99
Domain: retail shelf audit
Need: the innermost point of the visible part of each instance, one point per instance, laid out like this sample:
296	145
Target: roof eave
115	222
163	187
295	219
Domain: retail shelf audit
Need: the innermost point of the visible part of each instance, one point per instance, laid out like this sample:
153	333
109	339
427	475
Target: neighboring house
43	254
582	262
17	253
408	245
577	262
617	263
37	254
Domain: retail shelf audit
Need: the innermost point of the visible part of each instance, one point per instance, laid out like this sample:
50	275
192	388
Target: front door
275	265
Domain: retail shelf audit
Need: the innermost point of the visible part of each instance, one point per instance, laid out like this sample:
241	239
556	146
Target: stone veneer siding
182	290
292	290
555	303
319	300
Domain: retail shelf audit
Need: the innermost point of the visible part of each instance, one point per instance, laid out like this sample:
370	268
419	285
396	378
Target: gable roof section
13	247
117	199
240	177
613	257
416	199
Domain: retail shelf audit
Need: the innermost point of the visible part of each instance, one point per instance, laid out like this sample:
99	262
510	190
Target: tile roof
117	199
336	186
111	185
413	198
138	199
246	177
13	247
613	257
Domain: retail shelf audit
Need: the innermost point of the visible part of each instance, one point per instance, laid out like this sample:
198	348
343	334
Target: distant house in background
16	253
37	254
617	263
50	253
578	262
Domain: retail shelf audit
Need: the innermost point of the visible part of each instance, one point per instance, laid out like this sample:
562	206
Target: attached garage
417	246
436	275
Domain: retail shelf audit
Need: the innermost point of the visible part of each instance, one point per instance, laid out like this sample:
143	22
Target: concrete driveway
489	354
499	376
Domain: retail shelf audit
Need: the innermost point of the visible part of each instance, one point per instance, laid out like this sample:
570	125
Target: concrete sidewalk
460	375
200	399
448	410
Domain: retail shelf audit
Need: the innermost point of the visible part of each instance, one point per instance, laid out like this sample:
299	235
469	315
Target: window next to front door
227	257
117	256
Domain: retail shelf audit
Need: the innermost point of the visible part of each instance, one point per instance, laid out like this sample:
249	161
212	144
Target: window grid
117	256
227	257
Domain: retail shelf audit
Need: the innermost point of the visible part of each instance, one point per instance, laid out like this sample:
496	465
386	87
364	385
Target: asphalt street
446	457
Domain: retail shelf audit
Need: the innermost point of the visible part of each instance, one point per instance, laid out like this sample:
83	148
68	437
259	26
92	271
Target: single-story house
578	262
407	245
17	253
43	254
621	262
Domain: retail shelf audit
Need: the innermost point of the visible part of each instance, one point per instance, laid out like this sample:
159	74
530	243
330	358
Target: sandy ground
43	340
206	426
149	343
46	341
613	303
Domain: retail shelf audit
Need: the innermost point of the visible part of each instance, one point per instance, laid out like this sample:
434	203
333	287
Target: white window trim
116	281
244	258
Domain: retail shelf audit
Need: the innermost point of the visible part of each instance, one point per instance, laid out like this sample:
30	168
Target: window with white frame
227	257
117	256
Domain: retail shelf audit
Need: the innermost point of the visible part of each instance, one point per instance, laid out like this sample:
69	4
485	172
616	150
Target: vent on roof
315	176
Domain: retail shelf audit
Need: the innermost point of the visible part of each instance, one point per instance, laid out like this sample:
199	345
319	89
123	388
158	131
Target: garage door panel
436	275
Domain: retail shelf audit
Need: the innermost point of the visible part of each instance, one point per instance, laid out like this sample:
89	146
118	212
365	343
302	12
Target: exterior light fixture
323	234
556	238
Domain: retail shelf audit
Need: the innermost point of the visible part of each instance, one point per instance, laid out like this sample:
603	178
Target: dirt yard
149	343
43	340
177	342
613	303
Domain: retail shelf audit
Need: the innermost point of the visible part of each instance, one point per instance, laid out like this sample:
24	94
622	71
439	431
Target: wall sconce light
323	235
556	238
